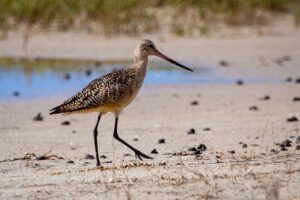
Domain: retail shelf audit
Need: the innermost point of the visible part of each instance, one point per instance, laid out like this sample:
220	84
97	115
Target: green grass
132	16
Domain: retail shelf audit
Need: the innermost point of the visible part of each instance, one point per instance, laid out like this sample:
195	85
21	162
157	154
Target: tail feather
56	110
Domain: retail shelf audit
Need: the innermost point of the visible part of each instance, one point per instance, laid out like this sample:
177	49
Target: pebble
154	151
70	162
89	157
254	108
296	99
298	147
161	141
194	103
38	117
65	123
72	146
292	119
297	80
265	98
206	129
223	63
103	156
245	146
232	151
191	131
136	138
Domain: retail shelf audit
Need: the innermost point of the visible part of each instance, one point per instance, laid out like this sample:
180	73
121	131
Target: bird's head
147	47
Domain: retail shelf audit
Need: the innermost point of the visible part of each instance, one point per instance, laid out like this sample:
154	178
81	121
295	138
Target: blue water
37	80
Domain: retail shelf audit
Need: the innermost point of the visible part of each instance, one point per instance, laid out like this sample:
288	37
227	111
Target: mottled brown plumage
114	91
109	93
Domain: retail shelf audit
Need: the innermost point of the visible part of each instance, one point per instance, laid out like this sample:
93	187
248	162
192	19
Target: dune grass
132	16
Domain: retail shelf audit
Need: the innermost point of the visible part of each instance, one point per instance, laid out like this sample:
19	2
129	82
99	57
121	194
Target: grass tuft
133	16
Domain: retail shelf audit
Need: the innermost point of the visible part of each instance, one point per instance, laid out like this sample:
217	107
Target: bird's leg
138	154
95	139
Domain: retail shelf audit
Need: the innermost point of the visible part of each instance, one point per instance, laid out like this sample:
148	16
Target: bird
113	92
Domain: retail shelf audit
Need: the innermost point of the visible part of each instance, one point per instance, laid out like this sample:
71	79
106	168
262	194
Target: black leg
137	152
95	139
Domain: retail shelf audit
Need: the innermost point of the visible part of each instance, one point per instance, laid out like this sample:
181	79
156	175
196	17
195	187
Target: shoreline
246	49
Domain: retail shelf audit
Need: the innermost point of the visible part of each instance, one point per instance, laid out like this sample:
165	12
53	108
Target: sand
222	120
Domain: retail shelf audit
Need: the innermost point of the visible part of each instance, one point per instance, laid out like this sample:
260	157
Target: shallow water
46	78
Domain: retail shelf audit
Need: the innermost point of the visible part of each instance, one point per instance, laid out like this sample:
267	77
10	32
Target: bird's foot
141	155
98	163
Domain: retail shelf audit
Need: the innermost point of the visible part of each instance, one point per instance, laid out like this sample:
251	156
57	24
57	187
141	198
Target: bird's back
109	93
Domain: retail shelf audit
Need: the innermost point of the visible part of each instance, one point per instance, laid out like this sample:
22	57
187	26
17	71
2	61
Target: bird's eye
151	46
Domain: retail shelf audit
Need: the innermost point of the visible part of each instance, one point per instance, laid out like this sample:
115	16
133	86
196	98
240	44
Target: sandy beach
251	131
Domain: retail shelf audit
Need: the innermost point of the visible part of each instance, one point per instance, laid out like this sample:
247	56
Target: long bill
159	54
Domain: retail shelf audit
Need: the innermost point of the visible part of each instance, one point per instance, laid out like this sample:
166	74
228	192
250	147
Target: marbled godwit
114	91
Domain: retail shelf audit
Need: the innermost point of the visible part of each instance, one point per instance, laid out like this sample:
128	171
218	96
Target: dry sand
165	112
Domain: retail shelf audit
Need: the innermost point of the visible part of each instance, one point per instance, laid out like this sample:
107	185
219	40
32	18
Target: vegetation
134	16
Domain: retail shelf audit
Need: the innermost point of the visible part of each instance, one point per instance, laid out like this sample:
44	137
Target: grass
134	16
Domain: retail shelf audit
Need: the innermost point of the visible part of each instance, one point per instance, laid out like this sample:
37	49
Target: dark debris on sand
284	145
161	141
194	103
154	151
223	63
66	123
191	131
292	119
32	156
197	150
296	99
253	108
265	98
89	157
38	117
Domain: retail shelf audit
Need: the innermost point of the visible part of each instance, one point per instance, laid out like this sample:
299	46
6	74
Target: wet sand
238	124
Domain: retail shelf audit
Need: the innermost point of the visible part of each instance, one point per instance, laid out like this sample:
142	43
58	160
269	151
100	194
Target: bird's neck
140	62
